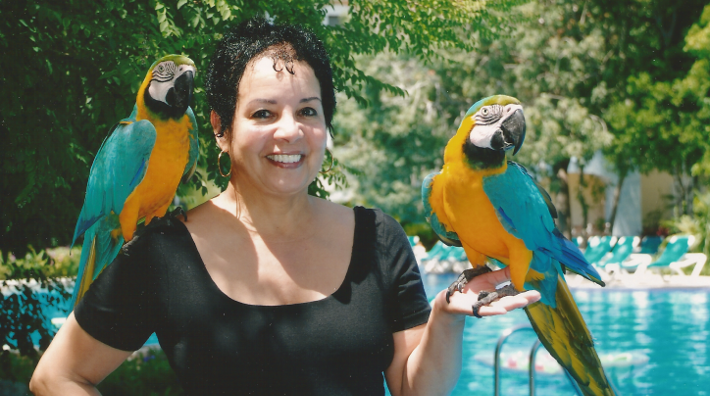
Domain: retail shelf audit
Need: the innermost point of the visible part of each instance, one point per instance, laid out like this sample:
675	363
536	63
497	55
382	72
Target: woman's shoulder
205	213
200	211
379	219
333	217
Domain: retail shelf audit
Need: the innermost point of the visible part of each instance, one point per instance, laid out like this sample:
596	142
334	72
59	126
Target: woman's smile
286	160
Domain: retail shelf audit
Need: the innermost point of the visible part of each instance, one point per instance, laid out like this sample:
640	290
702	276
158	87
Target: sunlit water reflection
670	327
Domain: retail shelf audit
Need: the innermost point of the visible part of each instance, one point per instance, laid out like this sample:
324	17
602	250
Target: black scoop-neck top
339	345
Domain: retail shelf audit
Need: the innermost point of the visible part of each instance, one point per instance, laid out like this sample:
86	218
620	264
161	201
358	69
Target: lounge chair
650	244
413	240
578	241
418	249
676	257
434	251
642	255
434	257
458	260
598	247
624	248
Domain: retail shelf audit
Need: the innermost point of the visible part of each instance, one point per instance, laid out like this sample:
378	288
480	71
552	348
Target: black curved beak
180	95
513	131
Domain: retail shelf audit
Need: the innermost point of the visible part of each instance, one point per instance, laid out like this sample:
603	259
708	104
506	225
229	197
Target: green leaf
162	17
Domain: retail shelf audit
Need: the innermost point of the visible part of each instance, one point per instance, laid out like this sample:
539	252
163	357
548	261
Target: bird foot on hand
179	210
464	278
485	298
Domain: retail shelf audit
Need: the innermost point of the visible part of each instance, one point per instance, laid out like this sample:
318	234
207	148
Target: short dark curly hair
256	37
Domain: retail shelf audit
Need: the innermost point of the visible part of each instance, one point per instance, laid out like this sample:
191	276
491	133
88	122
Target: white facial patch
164	76
162	80
481	135
488	120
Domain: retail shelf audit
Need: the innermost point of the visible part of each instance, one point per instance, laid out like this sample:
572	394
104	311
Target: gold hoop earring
219	165
332	162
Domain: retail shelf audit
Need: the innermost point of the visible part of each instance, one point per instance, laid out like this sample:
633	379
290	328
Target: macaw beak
512	131
180	95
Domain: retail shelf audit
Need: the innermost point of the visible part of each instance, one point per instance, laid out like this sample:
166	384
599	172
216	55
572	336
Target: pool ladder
531	369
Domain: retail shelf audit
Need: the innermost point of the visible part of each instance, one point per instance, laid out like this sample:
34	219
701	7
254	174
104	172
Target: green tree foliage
72	70
692	91
539	56
595	74
694	87
654	107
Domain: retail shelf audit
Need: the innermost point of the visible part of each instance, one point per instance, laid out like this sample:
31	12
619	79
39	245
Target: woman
265	289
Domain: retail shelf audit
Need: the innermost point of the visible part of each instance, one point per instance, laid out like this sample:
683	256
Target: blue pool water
670	327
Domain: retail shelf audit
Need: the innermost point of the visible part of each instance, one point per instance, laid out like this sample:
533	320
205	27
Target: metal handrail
496	360
531	368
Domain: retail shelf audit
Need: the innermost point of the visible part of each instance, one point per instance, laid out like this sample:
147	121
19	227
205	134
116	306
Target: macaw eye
484	111
164	71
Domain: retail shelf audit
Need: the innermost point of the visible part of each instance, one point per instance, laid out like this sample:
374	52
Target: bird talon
475	312
179	211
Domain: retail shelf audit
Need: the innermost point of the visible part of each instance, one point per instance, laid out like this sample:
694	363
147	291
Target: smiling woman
278	134
267	290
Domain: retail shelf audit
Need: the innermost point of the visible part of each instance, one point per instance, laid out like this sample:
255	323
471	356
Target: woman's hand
462	303
428	358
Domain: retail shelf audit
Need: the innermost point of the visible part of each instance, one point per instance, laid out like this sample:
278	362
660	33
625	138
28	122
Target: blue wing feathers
194	146
526	215
506	220
118	168
140	172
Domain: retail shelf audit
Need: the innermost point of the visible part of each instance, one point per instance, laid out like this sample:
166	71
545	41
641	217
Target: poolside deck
647	281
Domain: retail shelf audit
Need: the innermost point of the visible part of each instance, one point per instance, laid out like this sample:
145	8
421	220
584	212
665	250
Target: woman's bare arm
427	358
74	363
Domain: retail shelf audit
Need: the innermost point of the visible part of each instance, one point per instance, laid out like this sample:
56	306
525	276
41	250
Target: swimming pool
670	327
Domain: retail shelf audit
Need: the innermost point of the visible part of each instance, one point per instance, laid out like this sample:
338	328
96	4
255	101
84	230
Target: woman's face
278	136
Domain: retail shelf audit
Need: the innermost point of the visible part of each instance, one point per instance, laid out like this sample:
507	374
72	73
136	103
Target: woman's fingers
510	303
462	303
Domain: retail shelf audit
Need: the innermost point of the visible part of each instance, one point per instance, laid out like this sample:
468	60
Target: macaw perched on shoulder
139	166
495	210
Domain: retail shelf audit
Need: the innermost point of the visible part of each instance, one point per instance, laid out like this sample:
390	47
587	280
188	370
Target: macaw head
167	88
493	126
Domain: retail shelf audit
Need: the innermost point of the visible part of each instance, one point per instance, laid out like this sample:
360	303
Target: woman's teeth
286	159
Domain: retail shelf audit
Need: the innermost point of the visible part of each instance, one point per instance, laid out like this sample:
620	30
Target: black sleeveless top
339	345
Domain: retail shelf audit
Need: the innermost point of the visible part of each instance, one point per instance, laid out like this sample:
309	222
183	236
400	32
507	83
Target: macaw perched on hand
494	209
139	166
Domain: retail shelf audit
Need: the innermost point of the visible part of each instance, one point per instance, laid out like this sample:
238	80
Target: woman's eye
309	112
261	114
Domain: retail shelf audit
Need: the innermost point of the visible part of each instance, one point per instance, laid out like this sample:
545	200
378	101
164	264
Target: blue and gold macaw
139	166
495	210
